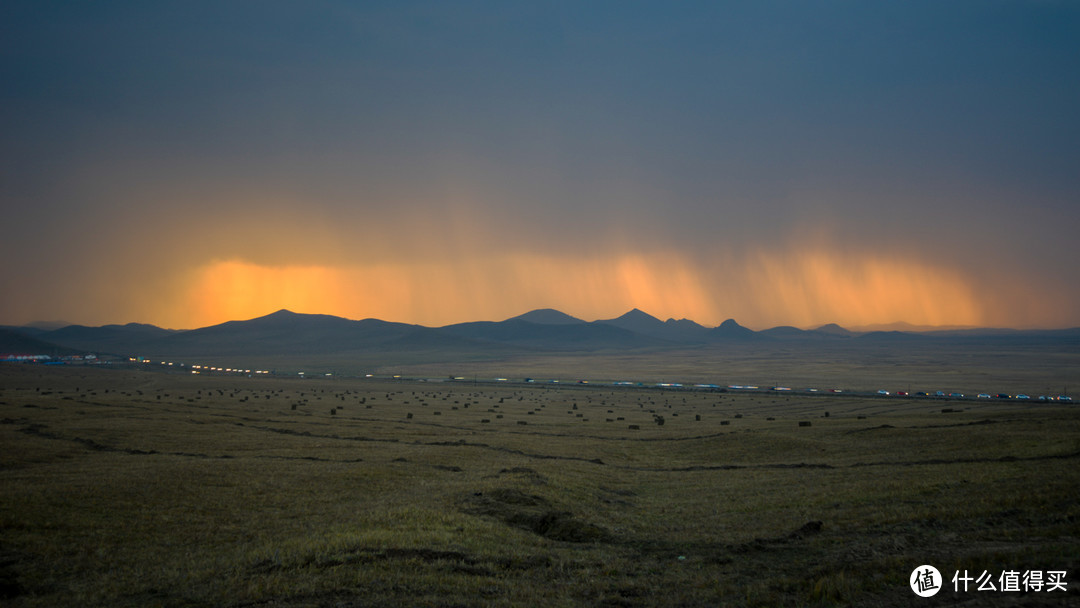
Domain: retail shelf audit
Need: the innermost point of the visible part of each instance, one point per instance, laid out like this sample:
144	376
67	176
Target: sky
779	163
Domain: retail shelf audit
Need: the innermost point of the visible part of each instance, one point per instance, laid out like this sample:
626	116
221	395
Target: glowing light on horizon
806	289
816	287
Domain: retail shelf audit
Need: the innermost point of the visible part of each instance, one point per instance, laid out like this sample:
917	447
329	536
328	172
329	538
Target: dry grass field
1033	367
135	488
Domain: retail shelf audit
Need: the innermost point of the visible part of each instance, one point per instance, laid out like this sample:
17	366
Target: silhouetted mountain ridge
671	330
288	333
14	342
731	330
546	336
543	330
548	316
107	338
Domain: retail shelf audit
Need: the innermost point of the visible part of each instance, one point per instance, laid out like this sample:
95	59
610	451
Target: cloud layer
778	163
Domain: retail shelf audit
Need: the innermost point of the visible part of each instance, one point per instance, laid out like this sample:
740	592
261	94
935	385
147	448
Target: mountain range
286	333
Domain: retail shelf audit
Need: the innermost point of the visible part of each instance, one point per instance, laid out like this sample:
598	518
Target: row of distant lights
195	369
198	369
785	389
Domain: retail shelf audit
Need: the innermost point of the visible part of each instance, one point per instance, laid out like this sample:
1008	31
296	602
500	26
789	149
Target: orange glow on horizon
815	286
768	289
234	290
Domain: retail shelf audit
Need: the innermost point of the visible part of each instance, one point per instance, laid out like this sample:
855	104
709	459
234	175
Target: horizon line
901	326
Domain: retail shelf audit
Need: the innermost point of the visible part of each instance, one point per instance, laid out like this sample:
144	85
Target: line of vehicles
781	389
944	395
1062	398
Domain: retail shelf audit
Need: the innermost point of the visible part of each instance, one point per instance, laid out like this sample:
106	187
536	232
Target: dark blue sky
143	141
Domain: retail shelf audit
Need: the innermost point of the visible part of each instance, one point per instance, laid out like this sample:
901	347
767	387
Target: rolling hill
107	338
682	331
288	334
14	342
548	316
552	336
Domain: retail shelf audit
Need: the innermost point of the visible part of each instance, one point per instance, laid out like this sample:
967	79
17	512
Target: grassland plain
970	367
1031	368
127	488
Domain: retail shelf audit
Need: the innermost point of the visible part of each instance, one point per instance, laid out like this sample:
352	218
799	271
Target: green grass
125	488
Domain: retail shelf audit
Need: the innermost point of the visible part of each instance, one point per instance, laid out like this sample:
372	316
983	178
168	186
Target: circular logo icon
925	581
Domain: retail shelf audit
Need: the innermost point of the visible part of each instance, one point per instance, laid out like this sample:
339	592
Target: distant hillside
825	332
834	330
634	320
730	330
637	321
548	316
684	330
584	336
113	339
14	342
289	334
784	332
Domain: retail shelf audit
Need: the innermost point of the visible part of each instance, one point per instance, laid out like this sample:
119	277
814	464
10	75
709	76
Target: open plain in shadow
135	488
